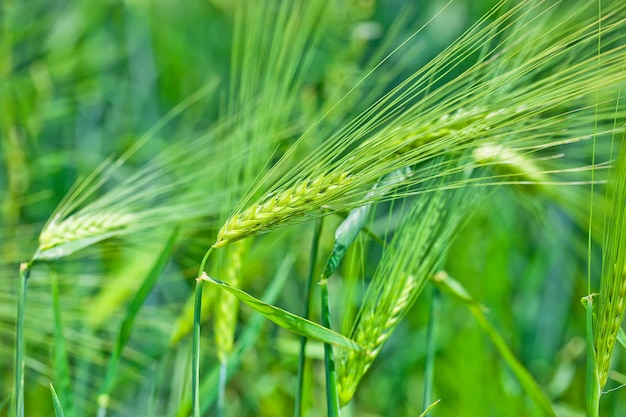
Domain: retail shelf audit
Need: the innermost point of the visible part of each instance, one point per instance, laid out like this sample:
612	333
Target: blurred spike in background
434	135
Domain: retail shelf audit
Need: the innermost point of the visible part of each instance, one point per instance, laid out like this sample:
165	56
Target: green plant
284	112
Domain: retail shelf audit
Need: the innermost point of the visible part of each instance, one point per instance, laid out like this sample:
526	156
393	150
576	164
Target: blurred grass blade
332	394
297	407
58	409
621	337
127	324
429	408
19	340
285	319
61	363
526	380
5	402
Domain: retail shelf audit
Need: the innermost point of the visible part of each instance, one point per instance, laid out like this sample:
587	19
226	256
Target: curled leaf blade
285	319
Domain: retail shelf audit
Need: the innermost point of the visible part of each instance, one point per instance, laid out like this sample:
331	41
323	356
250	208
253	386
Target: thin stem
195	350
221	388
429	366
593	385
19	340
332	395
204	260
297	410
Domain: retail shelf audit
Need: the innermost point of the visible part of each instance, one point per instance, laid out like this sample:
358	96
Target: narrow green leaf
429	408
58	409
127	324
526	380
248	337
285	319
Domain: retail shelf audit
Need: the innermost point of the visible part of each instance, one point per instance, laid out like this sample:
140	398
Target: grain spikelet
277	208
90	227
611	303
408	261
526	91
227	305
373	330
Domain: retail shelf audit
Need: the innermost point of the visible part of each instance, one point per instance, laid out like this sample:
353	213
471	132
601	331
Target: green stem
297	410
204	260
429	365
593	385
195	351
19	340
332	395
248	337
221	388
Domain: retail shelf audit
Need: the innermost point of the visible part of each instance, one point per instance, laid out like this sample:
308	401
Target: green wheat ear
534	87
75	232
294	202
408	262
611	304
227	305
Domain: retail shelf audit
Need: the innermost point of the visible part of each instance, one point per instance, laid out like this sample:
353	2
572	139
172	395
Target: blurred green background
81	81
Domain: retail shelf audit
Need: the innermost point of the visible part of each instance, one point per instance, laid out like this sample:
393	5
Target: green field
312	207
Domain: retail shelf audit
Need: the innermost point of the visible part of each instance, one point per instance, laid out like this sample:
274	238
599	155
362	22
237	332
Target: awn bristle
310	195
